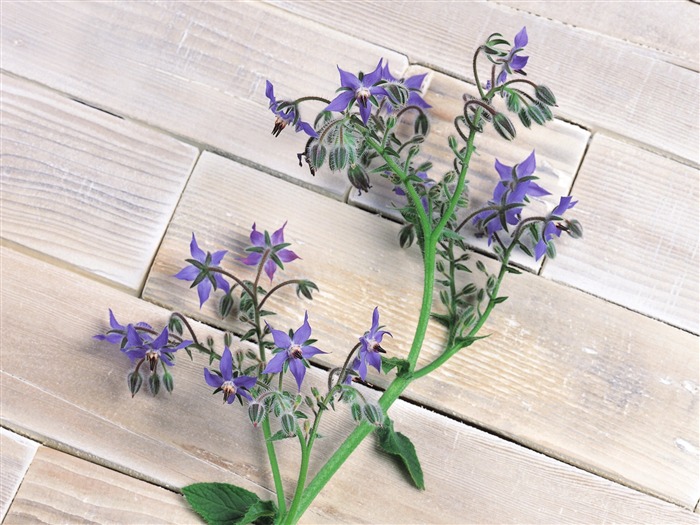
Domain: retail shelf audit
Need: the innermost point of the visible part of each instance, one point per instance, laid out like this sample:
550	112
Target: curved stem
280	285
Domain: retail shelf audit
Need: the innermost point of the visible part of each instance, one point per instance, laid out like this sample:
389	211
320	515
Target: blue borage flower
140	345
292	351
198	272
224	381
362	91
286	114
511	194
551	226
275	246
370	348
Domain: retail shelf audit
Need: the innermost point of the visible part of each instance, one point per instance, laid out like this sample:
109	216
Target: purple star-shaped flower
199	273
116	334
513	63
286	114
551	228
516	184
141	346
370	348
226	383
273	245
361	91
293	351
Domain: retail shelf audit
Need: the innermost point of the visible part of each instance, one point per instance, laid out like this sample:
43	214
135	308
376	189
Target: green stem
274	466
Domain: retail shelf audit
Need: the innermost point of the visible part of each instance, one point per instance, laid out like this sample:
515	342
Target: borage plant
358	132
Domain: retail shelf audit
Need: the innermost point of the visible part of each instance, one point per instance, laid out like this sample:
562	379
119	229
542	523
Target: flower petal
304	331
348	80
521	38
226	365
341	102
246	382
196	252
281	338
278	236
298	370
270	93
276	363
189	273
203	290
287	255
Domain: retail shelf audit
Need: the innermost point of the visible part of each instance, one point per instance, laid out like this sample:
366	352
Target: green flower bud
545	95
374	414
289	423
504	126
256	413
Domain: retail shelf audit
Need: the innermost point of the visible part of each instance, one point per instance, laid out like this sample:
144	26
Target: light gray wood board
190	436
621	387
640	213
60	488
196	70
600	82
668	26
17	455
83	186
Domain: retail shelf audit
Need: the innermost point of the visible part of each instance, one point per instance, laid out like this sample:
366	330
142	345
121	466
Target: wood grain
59	488
83	186
600	82
197	70
621	387
559	148
640	216
189	435
17	455
669	26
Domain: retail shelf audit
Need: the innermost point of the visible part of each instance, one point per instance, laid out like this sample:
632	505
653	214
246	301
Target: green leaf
396	444
224	504
389	363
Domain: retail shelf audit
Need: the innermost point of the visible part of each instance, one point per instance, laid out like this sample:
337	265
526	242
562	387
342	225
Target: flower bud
356	411
315	155
135	381
545	95
504	126
374	414
256	413
289	423
397	94
358	178
338	158
421	126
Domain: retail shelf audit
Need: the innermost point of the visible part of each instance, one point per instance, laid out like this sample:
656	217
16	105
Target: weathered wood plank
559	148
17	454
83	186
640	215
59	488
189	436
555	353
669	26
195	69
600	82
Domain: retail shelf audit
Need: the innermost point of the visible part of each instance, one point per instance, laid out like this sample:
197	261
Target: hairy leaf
225	504
396	444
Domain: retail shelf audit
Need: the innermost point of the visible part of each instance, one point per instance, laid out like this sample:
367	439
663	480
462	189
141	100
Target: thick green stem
274	466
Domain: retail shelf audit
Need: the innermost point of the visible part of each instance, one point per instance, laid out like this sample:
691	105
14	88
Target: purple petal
365	111
415	82
540	249
414	99
276	363
183	344
281	338
196	252
521	38
216	257
257	238
375	320
226	365
245	394
526	167
341	102
501	78
298	370
505	172
246	382
386	74
270	93
536	190
349	80
362	368
310	351
517	63
252	259
306	128
304	331
221	282
374	77
270	268
161	340
132	336
375	360
203	290
564	204
166	359
287	255
189	273
278	236
113	321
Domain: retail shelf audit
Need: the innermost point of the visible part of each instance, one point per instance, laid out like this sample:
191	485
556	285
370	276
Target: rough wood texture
195	69
17	454
83	186
59	488
189	434
599	82
620	386
669	26
640	249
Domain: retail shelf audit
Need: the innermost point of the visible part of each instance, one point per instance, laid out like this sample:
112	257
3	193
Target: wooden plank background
188	436
126	126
